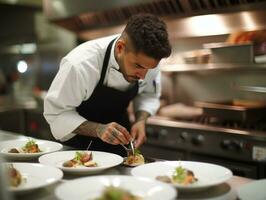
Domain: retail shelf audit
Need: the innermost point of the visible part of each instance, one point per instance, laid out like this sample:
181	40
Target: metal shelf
245	88
212	66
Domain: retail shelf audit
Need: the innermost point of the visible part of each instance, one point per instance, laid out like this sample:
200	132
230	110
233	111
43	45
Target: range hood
17	23
89	18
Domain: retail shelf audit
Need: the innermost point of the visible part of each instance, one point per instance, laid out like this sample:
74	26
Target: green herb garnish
115	193
179	174
78	155
30	143
137	151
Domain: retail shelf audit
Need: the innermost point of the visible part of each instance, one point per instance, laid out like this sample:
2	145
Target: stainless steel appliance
238	146
95	19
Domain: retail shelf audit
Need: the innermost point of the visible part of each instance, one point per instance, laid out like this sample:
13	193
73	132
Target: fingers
111	139
115	134
125	133
140	140
139	135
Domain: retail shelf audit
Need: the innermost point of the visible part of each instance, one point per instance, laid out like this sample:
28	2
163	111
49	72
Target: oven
240	149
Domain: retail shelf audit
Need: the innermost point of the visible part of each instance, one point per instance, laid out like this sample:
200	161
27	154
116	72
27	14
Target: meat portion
81	159
70	163
33	148
13	150
165	179
14	176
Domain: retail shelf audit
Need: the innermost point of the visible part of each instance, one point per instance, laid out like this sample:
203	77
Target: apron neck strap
106	61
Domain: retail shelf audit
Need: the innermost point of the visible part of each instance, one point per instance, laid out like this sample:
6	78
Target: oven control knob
163	133
151	133
197	140
184	136
232	145
225	144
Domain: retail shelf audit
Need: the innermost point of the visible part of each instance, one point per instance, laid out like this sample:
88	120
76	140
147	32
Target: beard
130	78
127	77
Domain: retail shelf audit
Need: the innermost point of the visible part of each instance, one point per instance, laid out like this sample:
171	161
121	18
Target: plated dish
206	174
81	158
117	193
134	160
29	147
26	149
254	190
24	177
180	176
103	160
95	187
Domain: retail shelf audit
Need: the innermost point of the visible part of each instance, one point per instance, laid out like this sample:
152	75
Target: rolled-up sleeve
148	98
70	87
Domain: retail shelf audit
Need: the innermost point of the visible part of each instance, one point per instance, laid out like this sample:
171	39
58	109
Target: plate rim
19	190
175	192
81	170
28	155
189	187
243	187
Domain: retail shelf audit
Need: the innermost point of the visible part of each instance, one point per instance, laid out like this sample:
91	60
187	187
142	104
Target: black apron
105	105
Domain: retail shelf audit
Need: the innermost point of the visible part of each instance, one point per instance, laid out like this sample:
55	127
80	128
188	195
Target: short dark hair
148	34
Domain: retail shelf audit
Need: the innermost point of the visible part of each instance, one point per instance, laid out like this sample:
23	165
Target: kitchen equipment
258	38
128	150
234	110
247	88
239	146
228	53
132	147
200	56
86	17
180	111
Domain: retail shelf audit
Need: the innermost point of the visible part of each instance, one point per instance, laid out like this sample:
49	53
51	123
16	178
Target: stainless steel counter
225	191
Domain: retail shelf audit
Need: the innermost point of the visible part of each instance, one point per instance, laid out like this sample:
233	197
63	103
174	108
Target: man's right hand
113	133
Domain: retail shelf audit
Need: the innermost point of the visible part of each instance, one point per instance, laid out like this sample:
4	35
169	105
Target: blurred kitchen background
214	83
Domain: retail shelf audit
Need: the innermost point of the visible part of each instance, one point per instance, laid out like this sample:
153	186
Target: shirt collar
113	61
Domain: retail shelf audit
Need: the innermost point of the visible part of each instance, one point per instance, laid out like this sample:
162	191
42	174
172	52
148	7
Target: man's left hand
138	133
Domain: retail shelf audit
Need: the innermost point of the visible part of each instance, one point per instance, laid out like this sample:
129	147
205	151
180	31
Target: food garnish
117	193
81	159
134	160
181	176
29	147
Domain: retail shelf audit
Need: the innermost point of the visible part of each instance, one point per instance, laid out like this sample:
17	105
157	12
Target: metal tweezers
131	149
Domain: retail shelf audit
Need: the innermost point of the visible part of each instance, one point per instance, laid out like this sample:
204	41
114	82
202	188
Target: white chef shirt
78	75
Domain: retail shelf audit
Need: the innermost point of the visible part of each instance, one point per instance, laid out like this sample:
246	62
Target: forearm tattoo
90	128
142	116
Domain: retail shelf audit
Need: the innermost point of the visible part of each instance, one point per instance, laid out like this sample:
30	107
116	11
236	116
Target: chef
89	96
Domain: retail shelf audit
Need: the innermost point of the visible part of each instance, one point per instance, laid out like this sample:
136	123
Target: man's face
134	66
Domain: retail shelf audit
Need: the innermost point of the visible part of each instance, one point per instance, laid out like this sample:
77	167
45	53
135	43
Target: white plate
208	174
91	187
254	190
35	176
103	159
45	146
